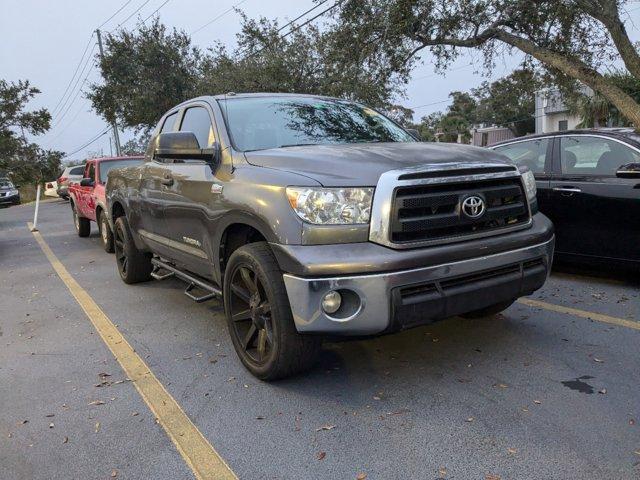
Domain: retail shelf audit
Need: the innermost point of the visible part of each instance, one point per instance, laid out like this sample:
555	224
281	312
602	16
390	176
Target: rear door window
91	171
529	153
77	170
584	155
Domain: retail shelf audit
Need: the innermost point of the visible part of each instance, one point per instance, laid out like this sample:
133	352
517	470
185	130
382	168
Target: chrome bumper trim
374	314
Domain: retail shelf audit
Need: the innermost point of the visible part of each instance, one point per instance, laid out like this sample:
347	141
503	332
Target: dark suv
316	216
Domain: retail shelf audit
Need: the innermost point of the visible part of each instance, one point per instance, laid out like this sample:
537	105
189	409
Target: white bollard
34	228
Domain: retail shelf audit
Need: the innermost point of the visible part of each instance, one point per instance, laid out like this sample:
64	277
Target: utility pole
114	125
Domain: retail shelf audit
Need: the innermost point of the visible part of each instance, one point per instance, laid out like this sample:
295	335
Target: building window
563	125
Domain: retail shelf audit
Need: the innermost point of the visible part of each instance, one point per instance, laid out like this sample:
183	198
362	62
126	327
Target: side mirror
414	133
630	170
17	186
86	182
182	146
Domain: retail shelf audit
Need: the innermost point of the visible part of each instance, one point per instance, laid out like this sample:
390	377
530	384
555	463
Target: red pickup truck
87	198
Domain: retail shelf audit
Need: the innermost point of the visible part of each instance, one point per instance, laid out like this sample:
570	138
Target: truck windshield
258	123
107	166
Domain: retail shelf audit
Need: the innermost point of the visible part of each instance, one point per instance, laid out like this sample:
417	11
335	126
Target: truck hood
361	164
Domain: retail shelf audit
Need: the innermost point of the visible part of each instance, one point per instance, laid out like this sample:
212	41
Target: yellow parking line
598	317
195	449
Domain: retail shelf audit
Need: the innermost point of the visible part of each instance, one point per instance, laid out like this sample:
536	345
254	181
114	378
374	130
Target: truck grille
433	212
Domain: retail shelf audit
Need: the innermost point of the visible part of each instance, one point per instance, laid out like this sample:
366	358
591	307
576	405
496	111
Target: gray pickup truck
313	216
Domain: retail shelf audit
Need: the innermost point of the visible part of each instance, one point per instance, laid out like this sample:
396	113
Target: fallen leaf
321	455
361	476
376	398
65	440
470	419
399	412
637	452
97	429
537	402
50	415
96	402
603	391
511	450
51	425
24	422
114	473
135	414
102	375
488	476
259	417
325	427
442	471
632	421
598	360
503	385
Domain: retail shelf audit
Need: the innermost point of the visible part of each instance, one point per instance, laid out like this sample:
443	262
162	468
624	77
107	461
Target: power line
74	74
132	14
153	13
434	74
66	105
218	17
89	142
302	15
298	27
116	12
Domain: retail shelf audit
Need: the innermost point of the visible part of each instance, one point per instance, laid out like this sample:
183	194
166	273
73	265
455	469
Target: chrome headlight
331	206
11	193
529	183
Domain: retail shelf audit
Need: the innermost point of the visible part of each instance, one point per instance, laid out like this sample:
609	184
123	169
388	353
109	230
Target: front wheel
105	233
259	316
133	265
488	311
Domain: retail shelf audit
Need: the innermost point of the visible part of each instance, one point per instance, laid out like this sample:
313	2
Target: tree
136	146
148	71
509	101
25	162
573	40
144	74
595	109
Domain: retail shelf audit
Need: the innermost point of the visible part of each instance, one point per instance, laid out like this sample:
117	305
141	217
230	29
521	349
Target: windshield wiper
296	145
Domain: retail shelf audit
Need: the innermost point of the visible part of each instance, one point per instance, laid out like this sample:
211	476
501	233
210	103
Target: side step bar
193	281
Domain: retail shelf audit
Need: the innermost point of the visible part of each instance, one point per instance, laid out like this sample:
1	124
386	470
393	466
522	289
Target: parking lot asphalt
531	393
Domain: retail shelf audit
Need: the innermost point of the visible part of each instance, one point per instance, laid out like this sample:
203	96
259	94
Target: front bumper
12	200
383	302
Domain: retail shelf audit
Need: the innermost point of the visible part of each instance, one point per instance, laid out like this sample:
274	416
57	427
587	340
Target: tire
83	225
134	266
263	321
489	311
105	232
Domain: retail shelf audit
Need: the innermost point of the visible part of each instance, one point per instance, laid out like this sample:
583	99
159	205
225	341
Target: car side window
169	122
530	153
583	155
197	120
77	170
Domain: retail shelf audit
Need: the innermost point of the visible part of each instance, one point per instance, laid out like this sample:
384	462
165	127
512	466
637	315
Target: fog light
331	302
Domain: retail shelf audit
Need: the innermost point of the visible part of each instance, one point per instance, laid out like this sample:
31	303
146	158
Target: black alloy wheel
251	314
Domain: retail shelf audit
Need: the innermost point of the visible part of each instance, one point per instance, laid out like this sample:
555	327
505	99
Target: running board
193	281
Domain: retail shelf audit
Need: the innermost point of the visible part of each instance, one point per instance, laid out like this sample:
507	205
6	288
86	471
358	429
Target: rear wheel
105	232
259	316
489	311
133	265
83	225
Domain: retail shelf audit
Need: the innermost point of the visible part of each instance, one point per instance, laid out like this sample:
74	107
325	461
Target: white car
51	189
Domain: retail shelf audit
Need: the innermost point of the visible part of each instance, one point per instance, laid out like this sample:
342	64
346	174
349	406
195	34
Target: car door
154	175
190	201
595	212
84	193
534	154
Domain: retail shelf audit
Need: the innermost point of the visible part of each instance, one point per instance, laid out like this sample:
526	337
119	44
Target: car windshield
258	123
5	184
107	166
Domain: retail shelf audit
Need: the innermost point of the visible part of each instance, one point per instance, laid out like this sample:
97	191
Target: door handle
567	189
168	181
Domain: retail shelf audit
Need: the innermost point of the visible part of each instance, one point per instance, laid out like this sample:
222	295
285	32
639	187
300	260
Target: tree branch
607	13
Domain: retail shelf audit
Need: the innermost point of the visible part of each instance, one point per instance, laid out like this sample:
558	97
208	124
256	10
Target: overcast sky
44	40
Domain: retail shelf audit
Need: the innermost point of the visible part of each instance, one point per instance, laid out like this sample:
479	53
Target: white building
552	115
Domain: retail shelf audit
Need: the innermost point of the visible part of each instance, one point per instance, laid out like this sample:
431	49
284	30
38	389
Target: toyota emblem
473	206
